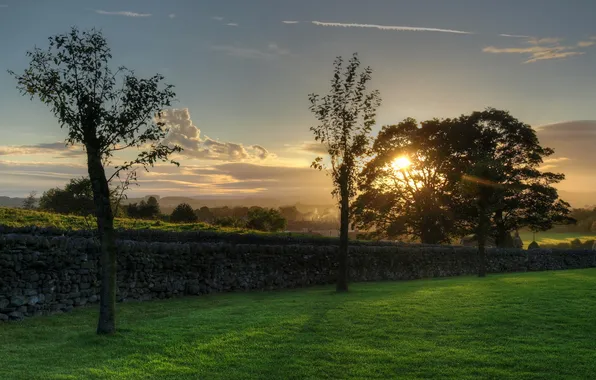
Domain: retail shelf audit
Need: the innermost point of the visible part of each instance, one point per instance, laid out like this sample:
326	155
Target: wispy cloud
290	22
389	27
232	24
60	149
514	36
541	49
217	18
123	13
172	15
272	51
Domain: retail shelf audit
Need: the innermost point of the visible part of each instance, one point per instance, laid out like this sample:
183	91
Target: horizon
243	72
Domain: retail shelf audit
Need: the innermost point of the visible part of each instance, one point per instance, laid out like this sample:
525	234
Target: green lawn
554	238
516	326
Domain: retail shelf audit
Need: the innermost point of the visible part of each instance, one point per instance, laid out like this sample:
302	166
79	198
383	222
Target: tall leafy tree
105	111
407	188
524	194
345	116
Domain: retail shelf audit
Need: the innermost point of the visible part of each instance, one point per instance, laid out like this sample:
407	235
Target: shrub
533	245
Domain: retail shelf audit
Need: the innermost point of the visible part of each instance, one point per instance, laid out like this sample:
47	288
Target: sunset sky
243	70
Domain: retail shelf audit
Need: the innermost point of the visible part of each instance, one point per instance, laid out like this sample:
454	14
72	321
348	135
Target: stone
17	301
93	299
33	300
30	292
16	316
3	317
4	303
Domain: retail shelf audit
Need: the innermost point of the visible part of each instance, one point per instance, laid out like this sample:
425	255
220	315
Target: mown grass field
554	238
513	326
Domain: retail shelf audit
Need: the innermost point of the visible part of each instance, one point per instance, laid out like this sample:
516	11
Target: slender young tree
105	111
345	118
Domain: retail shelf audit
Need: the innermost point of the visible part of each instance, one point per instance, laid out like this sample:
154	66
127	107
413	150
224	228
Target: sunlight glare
401	163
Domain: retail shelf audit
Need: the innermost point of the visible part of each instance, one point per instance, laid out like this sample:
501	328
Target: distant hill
11	202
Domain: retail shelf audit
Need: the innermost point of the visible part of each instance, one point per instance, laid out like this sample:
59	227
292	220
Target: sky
243	69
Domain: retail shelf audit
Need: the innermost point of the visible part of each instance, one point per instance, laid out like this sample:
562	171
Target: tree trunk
482	234
501	238
342	257
107	236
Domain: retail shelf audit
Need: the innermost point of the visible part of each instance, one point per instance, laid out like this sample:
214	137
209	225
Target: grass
15	217
514	326
553	238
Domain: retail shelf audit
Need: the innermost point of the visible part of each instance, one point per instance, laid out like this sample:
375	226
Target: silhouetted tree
346	116
106	112
525	196
144	210
407	188
183	213
290	213
30	202
204	214
263	219
75	198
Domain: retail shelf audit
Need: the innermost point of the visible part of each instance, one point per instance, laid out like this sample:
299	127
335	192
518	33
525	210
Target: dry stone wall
53	274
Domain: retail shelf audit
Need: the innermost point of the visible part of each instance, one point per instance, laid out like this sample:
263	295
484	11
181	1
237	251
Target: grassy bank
15	217
515	326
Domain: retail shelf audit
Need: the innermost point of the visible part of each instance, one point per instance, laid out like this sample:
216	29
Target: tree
346	116
204	214
407	188
290	213
30	202
76	198
525	196
262	219
144	210
183	213
105	112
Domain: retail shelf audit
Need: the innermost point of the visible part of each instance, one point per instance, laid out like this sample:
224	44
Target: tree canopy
486	159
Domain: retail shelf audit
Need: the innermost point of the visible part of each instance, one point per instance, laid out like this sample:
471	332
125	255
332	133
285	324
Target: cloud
573	142
389	27
172	15
308	147
58	148
290	22
123	13
183	132
217	18
514	36
272	51
231	24
541	49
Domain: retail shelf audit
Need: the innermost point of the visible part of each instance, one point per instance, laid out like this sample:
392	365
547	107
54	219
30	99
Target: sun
401	163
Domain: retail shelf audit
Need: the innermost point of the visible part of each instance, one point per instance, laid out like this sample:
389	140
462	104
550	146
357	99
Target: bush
183	213
230	221
533	245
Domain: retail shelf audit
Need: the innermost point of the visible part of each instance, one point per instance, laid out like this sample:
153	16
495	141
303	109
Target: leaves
346	116
105	111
